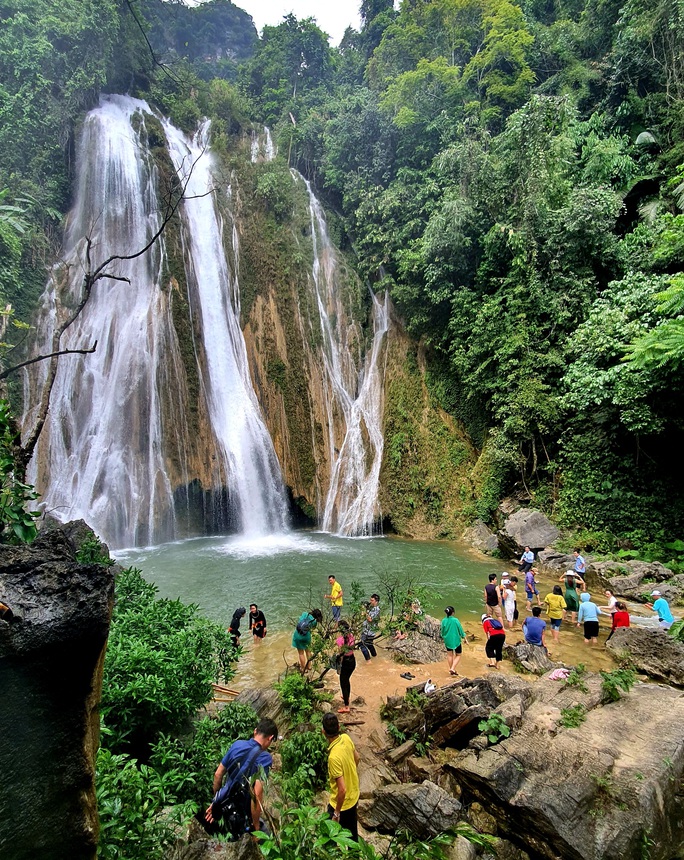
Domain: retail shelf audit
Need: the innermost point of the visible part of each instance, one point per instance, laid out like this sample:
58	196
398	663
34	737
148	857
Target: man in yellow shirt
335	598
343	776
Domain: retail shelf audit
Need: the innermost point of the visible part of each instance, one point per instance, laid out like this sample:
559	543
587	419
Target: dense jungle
512	174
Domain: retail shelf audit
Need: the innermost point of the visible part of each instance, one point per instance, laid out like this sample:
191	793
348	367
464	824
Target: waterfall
246	447
357	394
117	417
102	444
262	146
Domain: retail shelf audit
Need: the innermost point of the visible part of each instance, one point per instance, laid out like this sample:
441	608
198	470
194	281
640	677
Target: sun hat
655	593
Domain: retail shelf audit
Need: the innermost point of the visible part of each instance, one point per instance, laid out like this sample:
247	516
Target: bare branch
15	367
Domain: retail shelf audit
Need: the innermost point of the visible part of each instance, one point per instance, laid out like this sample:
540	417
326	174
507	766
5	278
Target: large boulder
423	645
481	537
426	809
529	658
597	792
527	527
654	652
554	559
51	658
373	772
198	846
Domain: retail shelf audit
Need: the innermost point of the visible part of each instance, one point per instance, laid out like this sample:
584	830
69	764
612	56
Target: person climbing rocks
343	776
492	597
496	636
345	646
257	623
301	638
244	760
534	628
371	628
453	635
234	628
335	598
662	607
589	616
555	606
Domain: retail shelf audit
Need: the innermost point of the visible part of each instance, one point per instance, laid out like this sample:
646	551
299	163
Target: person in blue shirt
662	607
580	564
252	755
526	560
588	615
534	628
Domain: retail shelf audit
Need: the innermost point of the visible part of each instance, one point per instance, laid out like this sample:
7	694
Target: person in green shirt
453	635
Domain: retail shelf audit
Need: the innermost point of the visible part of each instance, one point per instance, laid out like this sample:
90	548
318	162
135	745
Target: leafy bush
138	809
92	551
194	759
494	727
161	660
17	525
304	766
576	678
613	682
299	697
573	716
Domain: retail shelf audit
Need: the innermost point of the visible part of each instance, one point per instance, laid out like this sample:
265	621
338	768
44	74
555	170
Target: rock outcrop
199	846
529	658
596	792
527	527
425	809
51	656
423	645
480	537
654	652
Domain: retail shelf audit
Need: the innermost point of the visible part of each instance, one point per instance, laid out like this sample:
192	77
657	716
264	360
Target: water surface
285	574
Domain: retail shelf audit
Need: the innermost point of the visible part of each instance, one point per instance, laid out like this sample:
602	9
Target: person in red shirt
620	617
496	636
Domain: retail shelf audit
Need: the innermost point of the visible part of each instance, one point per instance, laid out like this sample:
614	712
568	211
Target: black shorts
591	629
259	632
458	650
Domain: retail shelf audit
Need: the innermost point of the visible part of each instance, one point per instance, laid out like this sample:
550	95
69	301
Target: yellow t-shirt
336	594
555	604
341	763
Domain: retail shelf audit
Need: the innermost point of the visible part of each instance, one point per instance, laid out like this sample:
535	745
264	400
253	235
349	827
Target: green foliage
573	716
613	682
494	727
299	697
17	525
93	551
576	678
304	766
188	762
161	660
138	809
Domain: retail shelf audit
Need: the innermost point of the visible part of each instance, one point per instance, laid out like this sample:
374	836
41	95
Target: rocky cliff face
51	657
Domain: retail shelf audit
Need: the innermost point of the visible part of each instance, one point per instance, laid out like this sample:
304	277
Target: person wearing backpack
236	806
301	638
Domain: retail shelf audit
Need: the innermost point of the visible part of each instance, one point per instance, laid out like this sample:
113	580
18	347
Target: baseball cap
655	593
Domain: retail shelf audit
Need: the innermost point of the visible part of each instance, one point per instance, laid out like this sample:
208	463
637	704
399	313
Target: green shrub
494	727
613	682
161	660
92	551
576	678
194	758
299	697
304	766
17	525
573	716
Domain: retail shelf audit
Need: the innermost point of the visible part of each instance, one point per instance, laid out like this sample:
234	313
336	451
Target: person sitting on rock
409	618
534	628
526	560
662	607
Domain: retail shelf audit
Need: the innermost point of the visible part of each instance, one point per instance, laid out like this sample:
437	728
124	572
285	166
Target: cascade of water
244	442
265	148
351	505
101	450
